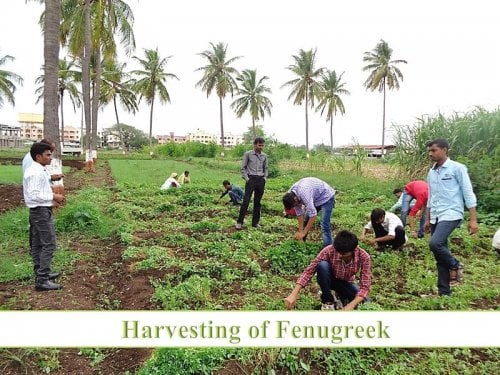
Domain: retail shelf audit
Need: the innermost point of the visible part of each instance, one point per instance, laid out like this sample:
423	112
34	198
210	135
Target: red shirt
360	262
420	191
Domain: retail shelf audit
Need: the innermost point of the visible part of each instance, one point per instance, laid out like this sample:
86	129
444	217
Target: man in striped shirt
316	195
40	198
337	267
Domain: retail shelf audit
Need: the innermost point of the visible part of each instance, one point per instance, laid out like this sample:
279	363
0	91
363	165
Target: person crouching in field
235	193
184	178
40	199
337	266
388	230
170	182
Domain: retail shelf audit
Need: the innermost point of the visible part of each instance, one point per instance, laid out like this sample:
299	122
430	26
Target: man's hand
473	227
290	302
300	235
56	177
58	198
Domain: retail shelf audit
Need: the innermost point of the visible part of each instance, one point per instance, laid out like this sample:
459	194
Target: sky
452	49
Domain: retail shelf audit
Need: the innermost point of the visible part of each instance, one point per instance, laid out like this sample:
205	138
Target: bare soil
100	281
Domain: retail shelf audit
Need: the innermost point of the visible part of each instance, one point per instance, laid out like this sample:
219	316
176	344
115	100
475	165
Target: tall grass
474	139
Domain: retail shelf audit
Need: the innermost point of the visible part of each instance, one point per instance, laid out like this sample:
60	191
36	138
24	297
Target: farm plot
139	247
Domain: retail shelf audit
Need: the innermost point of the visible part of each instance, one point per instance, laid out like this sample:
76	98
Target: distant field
12	174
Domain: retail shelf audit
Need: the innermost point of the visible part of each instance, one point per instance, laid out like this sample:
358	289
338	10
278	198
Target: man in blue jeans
449	188
314	195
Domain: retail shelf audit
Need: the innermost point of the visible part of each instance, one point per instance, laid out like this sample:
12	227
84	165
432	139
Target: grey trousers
42	241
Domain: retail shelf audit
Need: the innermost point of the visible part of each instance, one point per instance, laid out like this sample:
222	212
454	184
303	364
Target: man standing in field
336	267
40	198
315	195
449	188
254	170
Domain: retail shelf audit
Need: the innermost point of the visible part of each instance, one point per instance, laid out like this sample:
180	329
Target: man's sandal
457	275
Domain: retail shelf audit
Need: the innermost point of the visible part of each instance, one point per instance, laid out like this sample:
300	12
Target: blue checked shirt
449	188
312	192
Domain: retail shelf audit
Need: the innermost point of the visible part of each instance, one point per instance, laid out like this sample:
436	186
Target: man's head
397	192
173	175
50	142
438	149
289	200
41	153
258	144
377	216
186	173
345	243
226	184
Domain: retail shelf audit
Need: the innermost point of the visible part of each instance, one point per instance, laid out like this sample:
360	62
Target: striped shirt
311	192
449	188
36	187
360	262
254	164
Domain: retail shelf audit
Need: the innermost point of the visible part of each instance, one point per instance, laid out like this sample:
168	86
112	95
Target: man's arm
244	163
303	232
293	297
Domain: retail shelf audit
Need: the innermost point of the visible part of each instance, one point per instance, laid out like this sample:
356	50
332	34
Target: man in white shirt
388	230
40	198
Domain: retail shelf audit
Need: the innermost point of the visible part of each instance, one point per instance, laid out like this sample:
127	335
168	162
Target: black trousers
398	240
42	241
255	185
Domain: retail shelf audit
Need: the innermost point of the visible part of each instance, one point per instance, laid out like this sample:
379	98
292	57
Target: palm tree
8	81
251	97
383	73
69	79
151	81
331	88
89	32
218	74
305	87
51	29
116	84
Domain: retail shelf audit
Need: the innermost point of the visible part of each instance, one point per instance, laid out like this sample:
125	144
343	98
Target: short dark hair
439	142
186	172
377	214
288	200
258	140
226	182
38	148
345	242
397	190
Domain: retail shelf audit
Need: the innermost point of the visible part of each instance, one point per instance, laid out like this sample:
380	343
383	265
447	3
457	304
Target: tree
151	81
117	84
8	81
51	23
218	74
68	81
305	87
331	87
251	97
129	136
383	73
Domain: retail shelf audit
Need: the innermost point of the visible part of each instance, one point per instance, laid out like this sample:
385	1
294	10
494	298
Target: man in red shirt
337	266
418	190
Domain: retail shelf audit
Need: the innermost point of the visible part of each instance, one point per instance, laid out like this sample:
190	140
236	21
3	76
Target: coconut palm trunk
51	66
151	125
86	88
331	135
61	94
383	124
95	100
307	125
221	124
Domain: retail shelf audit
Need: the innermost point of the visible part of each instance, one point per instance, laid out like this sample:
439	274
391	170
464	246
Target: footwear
54	275
256	226
238	226
327	306
457	275
47	285
337	303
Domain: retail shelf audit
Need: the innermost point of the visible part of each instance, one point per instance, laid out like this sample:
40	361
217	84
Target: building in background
31	125
162	139
202	136
10	136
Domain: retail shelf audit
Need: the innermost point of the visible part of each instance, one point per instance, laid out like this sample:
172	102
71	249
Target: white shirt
390	223
36	187
169	182
27	161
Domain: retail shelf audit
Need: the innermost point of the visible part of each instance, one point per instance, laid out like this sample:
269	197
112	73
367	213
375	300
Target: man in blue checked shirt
305	199
449	189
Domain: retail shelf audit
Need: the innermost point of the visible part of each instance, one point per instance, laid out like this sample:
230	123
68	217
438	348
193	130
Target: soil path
99	281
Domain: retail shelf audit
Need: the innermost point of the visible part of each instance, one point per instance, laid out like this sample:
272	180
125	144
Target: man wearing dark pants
449	189
40	198
388	230
254	171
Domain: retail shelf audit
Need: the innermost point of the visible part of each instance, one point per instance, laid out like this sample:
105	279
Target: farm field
125	244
